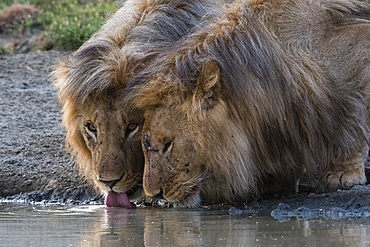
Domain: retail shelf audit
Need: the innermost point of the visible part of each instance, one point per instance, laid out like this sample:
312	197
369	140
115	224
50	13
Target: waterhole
97	225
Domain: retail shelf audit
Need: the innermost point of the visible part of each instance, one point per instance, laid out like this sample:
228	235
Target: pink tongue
115	199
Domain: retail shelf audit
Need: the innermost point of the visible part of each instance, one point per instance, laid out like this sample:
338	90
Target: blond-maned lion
102	133
255	99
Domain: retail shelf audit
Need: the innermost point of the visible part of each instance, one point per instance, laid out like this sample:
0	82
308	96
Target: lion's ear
208	85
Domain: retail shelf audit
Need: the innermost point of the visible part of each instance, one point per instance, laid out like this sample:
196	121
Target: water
38	225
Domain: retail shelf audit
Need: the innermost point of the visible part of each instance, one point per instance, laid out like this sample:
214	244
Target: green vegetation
2	50
68	23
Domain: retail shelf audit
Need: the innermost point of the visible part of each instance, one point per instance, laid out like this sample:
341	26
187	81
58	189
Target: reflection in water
100	226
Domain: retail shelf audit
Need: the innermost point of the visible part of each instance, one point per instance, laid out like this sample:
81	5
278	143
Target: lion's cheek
176	192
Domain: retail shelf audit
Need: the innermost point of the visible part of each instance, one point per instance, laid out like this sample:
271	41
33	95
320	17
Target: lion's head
190	143
102	133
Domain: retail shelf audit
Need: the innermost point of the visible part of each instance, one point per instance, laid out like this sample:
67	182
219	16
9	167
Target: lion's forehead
169	113
106	116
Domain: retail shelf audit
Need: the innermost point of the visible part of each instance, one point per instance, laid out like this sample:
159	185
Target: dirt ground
32	152
35	167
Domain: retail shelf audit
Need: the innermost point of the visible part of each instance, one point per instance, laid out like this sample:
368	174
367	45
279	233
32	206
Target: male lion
101	132
246	104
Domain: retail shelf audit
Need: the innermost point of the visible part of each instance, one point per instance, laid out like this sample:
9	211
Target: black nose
110	183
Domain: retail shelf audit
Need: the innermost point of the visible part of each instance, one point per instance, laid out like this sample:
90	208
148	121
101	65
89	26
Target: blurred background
27	25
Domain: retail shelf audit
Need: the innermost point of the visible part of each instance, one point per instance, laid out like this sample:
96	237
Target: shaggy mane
130	39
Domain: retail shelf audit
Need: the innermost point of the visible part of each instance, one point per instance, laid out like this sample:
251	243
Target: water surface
96	225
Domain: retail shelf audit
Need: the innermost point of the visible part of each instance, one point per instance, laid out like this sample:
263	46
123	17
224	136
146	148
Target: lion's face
112	137
172	168
176	139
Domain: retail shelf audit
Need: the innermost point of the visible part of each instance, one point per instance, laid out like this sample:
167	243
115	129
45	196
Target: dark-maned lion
257	98
101	132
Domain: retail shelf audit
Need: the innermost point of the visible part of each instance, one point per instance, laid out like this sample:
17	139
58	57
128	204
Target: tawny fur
334	34
102	133
251	101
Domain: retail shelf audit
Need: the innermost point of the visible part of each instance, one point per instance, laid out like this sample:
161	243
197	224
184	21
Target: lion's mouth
122	199
191	200
114	199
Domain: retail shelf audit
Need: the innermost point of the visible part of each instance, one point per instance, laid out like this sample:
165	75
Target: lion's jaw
113	141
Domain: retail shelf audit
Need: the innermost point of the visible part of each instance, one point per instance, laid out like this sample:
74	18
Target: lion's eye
91	127
131	128
167	146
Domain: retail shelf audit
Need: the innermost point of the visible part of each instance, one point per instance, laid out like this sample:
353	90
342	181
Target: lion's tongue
115	199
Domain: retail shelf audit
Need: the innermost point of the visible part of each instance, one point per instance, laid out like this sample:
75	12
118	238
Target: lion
103	133
246	105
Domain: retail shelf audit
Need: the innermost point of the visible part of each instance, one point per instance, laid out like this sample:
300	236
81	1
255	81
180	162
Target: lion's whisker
196	179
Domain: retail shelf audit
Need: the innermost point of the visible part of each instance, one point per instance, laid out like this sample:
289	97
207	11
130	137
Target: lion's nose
110	183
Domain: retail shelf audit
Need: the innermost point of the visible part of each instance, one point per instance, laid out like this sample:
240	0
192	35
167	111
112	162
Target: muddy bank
32	151
35	166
